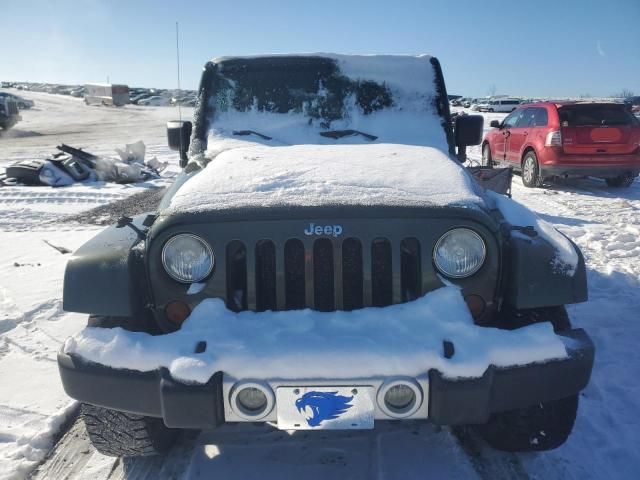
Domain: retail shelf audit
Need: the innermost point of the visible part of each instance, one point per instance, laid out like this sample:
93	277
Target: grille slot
323	293
236	261
352	274
410	279
294	274
381	275
325	275
265	276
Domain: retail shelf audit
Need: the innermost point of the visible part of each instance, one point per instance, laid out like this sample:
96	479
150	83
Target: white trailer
106	94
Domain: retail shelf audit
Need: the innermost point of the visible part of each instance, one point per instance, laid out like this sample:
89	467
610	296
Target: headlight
187	258
459	253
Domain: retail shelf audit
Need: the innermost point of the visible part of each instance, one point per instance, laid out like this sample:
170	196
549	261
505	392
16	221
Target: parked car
634	104
503	105
23	103
9	114
155	101
284	253
550	139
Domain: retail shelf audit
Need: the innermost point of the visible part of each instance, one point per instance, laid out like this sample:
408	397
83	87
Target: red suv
560	139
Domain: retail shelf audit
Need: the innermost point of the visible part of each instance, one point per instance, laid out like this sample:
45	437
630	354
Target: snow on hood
566	259
405	339
314	175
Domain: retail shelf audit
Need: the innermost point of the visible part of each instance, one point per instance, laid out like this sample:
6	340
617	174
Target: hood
388	175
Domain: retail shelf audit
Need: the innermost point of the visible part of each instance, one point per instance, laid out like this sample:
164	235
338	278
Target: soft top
256	176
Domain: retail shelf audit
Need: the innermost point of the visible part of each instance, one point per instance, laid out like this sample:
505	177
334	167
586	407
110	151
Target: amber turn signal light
177	312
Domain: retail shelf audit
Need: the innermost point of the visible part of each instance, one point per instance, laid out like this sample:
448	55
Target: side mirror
467	131
179	137
494	124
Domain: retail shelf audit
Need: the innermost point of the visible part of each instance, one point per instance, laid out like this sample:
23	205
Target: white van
500	105
106	94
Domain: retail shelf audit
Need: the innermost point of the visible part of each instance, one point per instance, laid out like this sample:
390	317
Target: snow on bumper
400	340
488	370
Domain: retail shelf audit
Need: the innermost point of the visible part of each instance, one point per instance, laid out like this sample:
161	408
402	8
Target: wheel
491	110
120	434
531	171
620	181
486	156
541	427
544	426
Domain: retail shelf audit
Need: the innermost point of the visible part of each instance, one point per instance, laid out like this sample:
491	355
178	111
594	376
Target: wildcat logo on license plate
325	408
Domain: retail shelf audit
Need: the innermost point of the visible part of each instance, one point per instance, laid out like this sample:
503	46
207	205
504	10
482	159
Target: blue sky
531	48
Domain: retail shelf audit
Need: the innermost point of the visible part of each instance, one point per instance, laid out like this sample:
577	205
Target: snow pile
309	175
404	339
566	259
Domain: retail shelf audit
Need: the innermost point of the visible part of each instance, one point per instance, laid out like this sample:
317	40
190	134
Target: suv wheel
486	156
531	170
620	181
544	426
120	434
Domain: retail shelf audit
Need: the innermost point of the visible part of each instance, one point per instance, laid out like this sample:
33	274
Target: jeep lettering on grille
329	230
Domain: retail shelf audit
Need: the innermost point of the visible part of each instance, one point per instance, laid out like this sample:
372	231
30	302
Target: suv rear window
592	115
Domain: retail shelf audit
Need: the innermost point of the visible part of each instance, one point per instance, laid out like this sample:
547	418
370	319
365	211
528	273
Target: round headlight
187	258
459	253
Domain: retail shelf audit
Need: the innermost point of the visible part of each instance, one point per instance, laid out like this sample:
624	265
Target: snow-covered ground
604	222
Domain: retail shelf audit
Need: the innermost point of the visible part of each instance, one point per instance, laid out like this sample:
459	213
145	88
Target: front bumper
450	401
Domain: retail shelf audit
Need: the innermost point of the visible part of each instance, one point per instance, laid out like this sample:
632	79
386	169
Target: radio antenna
178	64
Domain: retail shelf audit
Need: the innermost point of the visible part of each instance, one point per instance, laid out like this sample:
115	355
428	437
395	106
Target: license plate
325	408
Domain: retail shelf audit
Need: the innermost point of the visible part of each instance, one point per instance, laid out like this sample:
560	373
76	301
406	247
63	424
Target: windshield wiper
335	134
244	133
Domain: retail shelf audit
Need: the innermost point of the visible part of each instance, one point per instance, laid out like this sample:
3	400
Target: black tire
544	426
487	159
541	427
531	176
621	181
120	434
491	110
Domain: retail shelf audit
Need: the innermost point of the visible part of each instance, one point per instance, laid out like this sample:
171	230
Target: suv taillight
554	139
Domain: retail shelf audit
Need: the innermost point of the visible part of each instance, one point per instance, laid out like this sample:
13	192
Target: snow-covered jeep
324	261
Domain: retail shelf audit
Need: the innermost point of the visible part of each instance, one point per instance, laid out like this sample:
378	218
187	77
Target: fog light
400	398
251	400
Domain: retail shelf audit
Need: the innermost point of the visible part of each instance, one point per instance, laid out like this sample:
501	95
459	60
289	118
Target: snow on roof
257	176
403	339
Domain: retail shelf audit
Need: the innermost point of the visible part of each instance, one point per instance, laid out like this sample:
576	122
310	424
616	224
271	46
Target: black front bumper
451	401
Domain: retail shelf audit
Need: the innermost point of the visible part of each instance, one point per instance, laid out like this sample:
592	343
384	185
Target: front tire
621	181
543	426
120	434
531	176
487	160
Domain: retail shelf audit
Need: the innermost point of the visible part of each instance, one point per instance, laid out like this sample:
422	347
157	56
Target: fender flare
534	279
106	275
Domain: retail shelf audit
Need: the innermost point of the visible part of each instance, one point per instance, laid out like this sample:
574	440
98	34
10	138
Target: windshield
324	99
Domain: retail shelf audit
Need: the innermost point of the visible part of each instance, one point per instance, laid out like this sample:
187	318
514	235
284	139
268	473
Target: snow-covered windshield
324	99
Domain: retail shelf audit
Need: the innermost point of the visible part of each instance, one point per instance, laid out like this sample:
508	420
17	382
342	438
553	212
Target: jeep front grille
325	274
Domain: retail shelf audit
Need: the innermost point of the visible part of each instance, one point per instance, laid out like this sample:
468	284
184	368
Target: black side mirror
467	131
179	137
494	124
